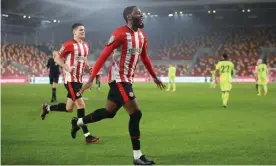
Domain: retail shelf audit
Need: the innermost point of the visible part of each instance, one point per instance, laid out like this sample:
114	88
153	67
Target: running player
72	57
131	44
226	71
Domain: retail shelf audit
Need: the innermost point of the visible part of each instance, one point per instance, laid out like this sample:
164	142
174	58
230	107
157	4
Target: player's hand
86	86
70	69
159	83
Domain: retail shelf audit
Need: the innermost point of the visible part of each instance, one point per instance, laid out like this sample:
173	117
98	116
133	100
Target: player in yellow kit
171	76
226	71
213	76
262	77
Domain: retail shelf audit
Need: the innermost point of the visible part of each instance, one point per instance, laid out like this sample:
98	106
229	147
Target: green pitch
188	126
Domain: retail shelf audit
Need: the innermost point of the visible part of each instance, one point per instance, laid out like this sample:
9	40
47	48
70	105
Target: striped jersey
127	47
126	56
75	54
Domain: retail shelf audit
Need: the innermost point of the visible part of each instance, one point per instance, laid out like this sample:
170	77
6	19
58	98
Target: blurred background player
262	77
72	57
255	71
98	79
213	77
53	75
171	76
133	43
226	71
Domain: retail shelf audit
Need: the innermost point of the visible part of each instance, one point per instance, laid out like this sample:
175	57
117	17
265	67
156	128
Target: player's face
79	32
137	18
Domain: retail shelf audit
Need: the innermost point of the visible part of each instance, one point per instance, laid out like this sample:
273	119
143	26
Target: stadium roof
100	10
73	9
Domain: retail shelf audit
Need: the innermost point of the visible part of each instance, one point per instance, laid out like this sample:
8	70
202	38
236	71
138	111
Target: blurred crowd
244	46
20	60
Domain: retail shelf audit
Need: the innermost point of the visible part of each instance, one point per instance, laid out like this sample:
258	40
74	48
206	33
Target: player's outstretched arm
147	62
108	50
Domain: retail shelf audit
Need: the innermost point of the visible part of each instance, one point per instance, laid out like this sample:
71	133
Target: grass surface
188	126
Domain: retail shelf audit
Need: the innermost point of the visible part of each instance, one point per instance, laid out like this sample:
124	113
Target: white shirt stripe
76	53
81	61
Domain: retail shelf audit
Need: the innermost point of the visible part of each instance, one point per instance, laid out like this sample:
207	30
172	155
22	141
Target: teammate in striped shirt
130	43
72	57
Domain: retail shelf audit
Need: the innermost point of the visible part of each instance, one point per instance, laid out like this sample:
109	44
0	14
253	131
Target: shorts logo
131	94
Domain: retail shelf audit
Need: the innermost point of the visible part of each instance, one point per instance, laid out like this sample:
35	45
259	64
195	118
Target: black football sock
99	84
58	107
134	129
97	115
257	88
81	113
54	94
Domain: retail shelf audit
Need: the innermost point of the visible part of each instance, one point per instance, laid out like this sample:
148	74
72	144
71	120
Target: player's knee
137	115
110	114
69	110
80	103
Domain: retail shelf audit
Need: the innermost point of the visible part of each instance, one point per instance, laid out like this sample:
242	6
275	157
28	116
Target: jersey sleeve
115	41
64	50
146	60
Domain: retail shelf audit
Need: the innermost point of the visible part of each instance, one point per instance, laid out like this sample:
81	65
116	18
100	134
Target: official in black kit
54	73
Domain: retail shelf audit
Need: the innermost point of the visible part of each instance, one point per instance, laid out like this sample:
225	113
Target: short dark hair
127	11
76	25
225	56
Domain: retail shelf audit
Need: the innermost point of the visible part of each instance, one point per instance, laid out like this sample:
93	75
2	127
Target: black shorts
53	78
73	88
120	92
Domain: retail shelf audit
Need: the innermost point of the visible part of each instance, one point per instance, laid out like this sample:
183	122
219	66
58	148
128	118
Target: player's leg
60	107
135	114
260	84
265	89
222	92
213	84
74	88
257	88
54	86
173	84
98	81
97	115
51	79
223	87
227	90
112	106
169	84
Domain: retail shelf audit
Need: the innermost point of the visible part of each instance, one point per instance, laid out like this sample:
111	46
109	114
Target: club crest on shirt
61	49
111	40
131	94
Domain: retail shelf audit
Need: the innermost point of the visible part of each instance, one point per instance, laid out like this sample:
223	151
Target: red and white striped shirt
75	54
127	47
